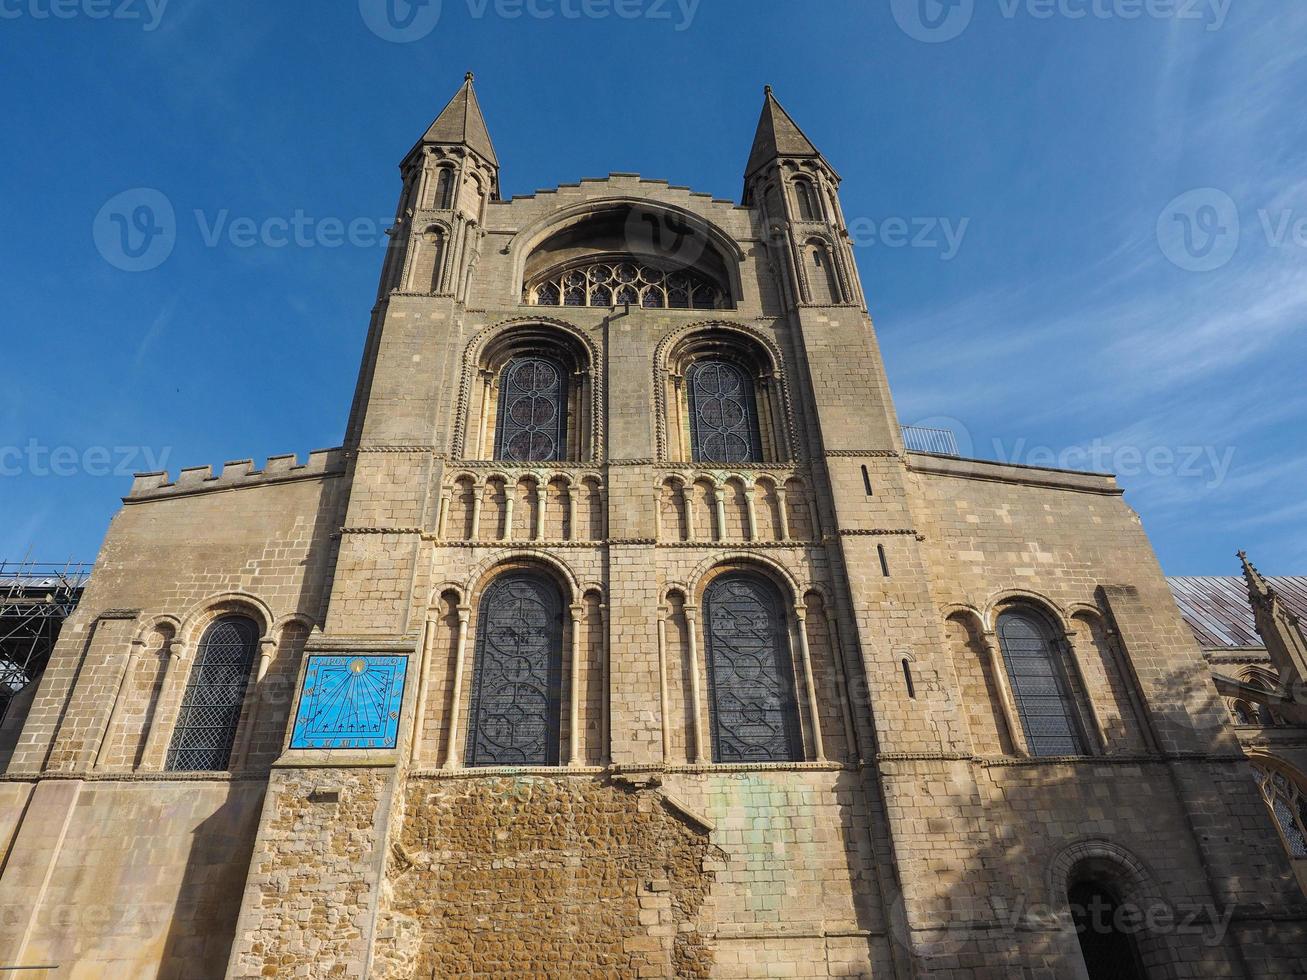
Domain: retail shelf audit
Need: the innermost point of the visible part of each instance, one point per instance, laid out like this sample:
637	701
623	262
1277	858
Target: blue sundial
350	702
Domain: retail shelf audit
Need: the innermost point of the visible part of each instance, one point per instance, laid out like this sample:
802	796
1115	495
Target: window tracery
622	281
215	693
1039	686
1287	804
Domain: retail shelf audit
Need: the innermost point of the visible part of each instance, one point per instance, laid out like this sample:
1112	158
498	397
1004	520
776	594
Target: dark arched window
1039	686
445	189
752	707
1109	951
211	709
723	413
807	197
514	715
532	426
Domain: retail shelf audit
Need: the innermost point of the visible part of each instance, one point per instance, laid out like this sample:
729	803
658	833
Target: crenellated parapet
237	475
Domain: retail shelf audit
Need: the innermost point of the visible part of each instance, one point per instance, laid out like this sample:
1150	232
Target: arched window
211	709
752	707
1243	713
723	413
532	420
445	189
1110	953
618	282
823	281
514	714
1286	802
1039	685
807	198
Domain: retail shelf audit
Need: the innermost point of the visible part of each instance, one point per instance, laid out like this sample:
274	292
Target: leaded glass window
1287	805
807	196
723	413
616	283
752	709
211	708
1039	686
532	422
515	709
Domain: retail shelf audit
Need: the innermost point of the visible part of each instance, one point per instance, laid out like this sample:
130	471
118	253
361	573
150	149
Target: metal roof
1217	610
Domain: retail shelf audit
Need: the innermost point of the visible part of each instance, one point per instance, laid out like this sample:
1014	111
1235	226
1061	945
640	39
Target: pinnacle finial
469	77
1257	584
766	90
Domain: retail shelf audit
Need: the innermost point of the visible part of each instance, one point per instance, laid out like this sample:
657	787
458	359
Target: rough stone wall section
311	891
546	876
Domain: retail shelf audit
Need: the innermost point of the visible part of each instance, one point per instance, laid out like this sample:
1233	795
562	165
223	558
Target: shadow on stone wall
203	921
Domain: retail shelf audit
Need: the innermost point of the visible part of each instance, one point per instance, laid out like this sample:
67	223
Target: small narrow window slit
907	677
866	481
884	561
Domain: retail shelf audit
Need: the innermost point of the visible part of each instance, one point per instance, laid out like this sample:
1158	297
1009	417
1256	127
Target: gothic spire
461	122
778	136
1279	629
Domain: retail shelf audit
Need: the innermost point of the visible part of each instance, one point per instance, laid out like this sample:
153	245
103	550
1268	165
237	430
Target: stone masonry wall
545	876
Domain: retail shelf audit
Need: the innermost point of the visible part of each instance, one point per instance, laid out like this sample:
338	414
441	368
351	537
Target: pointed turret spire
778	136
1279	629
461	122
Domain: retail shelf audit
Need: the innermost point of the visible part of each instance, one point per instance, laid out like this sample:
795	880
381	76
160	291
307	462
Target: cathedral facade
624	637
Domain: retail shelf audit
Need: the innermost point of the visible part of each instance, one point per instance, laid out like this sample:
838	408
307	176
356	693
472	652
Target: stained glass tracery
617	283
753	714
532	421
1288	805
516	695
1039	686
723	413
215	693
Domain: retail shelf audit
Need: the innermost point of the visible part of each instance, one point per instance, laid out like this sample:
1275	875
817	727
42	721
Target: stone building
623	637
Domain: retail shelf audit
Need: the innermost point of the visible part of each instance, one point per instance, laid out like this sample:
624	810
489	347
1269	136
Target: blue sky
1125	284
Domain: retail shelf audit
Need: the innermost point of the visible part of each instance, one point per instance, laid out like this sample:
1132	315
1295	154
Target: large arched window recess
515	709
809	204
215	694
533	399
1034	660
753	710
724	402
1285	798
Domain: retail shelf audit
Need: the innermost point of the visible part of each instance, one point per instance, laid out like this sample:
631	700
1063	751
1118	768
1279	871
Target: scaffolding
35	599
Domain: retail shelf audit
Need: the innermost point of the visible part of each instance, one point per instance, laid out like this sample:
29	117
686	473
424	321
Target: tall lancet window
752	706
723	413
1039	685
806	194
211	708
445	188
532	420
516	695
